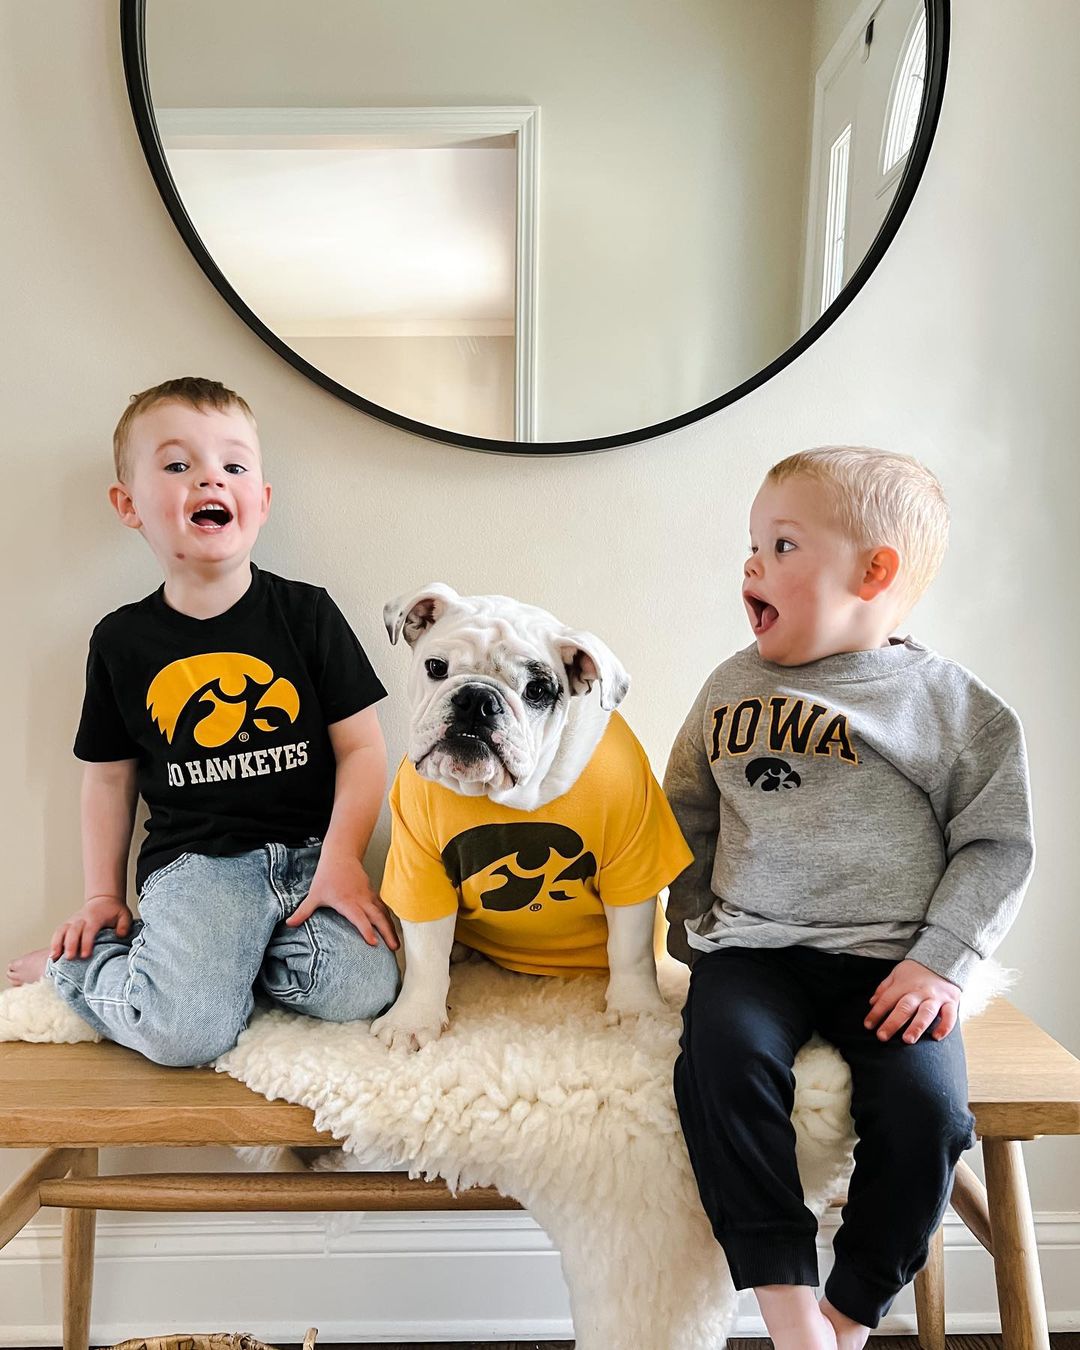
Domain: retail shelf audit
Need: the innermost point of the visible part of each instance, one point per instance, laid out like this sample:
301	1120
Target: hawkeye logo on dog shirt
223	694
520	863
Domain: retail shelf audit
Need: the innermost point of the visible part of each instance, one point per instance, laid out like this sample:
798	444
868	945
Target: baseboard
397	1277
971	1295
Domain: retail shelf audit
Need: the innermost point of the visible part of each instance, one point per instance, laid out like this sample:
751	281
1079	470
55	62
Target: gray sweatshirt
874	803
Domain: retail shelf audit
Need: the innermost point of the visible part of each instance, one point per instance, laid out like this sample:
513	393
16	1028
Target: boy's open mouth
211	516
762	614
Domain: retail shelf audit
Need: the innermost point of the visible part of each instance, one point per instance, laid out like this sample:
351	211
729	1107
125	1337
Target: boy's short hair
880	498
190	389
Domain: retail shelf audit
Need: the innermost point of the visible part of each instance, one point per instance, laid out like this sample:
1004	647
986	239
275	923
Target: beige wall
962	349
671	162
462	383
829	18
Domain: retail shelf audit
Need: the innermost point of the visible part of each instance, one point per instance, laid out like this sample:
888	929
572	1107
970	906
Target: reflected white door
853	192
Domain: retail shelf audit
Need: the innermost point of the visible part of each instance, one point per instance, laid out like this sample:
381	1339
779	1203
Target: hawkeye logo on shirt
535	859
781	725
225	692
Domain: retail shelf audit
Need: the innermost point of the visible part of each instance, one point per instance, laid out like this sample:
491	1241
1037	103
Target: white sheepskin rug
532	1092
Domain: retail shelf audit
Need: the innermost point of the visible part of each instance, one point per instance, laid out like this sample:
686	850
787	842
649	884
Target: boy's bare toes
28	969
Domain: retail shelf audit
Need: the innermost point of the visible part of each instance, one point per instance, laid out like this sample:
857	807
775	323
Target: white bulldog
508	703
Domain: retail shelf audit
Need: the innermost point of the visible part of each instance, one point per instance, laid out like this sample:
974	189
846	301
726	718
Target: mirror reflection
537	223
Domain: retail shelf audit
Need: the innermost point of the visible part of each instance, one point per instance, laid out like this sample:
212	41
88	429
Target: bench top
103	1095
1023	1083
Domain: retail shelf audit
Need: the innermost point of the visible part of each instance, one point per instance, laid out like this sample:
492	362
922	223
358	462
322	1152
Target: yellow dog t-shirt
530	885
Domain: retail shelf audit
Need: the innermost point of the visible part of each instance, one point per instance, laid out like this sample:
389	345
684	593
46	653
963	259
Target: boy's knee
195	1027
729	1034
185	1049
923	1117
734	1077
949	1122
353	990
371	990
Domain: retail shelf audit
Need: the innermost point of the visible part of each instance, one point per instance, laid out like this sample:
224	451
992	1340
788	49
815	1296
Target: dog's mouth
470	755
470	741
762	614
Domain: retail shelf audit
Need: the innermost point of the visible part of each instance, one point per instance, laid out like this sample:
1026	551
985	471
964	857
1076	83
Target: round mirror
537	228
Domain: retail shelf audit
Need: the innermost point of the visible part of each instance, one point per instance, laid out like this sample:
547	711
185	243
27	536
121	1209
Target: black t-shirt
226	717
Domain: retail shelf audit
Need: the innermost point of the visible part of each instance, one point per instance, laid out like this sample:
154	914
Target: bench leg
79	1227
930	1296
1016	1257
21	1201
969	1201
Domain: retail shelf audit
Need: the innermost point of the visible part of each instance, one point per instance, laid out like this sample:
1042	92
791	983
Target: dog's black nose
476	703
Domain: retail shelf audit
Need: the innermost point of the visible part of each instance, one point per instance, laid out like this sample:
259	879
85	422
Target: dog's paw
410	1026
633	999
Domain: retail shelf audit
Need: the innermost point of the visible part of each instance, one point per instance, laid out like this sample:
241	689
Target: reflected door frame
817	184
430	128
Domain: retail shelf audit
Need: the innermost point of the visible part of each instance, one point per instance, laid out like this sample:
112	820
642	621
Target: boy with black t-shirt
241	707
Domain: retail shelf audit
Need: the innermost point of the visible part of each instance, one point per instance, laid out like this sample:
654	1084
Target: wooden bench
73	1100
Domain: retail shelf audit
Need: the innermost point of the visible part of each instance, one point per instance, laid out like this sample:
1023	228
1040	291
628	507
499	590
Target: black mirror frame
133	46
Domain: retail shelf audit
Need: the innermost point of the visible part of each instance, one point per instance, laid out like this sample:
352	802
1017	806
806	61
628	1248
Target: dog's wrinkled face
484	702
491	688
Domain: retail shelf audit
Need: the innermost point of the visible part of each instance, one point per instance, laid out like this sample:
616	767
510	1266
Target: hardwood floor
1066	1340
1062	1340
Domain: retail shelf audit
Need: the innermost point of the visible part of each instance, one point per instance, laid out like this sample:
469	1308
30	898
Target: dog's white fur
494	644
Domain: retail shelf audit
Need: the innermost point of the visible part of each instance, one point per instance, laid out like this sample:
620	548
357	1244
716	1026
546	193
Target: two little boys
857	807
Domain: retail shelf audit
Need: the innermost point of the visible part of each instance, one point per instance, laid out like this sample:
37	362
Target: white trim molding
398	1277
325	128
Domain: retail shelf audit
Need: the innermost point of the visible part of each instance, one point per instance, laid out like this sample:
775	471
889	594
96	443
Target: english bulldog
511	706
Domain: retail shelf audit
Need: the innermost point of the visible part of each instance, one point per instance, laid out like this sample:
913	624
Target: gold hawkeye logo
233	687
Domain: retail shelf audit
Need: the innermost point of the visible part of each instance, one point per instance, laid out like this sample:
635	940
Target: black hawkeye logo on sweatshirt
771	775
781	726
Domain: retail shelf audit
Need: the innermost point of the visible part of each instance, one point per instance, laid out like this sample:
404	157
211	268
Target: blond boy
859	814
240	706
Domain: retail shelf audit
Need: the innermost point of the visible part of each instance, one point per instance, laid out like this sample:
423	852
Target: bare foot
849	1335
28	969
793	1318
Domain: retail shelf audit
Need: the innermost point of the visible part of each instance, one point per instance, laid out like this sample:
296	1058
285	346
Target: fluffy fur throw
532	1092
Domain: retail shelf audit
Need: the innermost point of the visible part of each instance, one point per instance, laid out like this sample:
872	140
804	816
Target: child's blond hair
197	393
880	499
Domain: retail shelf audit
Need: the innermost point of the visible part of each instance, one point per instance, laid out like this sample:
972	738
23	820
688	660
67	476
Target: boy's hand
913	995
76	936
341	883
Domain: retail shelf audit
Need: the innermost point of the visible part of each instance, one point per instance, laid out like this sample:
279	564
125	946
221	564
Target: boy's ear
881	572
124	506
267	494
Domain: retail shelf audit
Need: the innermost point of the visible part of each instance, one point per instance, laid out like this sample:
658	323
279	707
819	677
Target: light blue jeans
180	987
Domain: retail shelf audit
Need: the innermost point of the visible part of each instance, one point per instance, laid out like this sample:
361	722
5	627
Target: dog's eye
437	668
538	691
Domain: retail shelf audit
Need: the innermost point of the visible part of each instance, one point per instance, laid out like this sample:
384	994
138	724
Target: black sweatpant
746	1015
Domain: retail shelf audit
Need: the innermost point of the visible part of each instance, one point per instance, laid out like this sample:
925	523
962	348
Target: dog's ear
588	661
417	610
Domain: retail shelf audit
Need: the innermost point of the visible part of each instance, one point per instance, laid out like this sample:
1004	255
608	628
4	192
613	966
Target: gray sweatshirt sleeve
984	807
695	799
